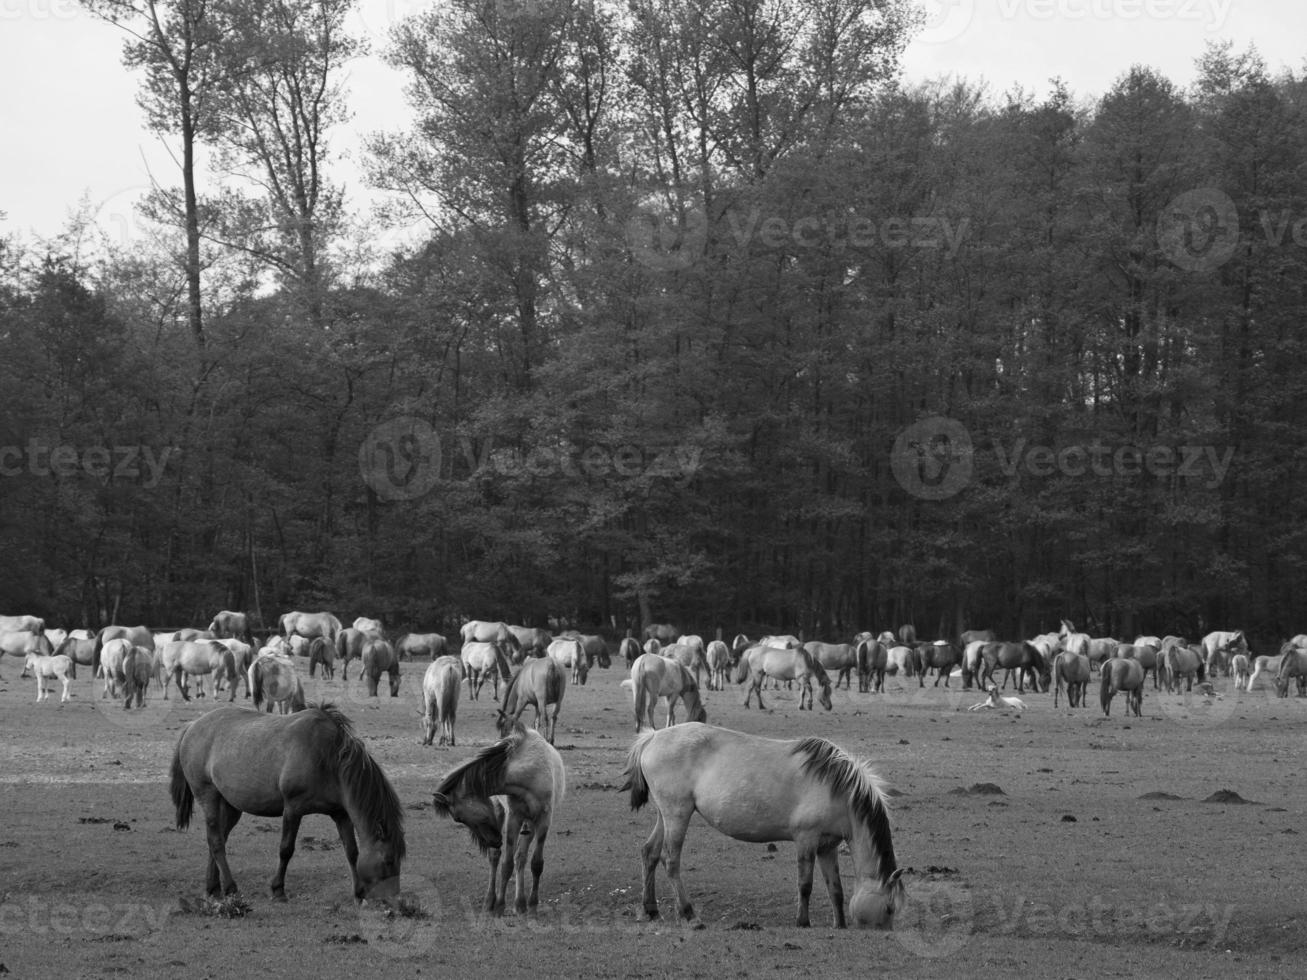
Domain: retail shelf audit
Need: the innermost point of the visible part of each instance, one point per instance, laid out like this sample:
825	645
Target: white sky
70	127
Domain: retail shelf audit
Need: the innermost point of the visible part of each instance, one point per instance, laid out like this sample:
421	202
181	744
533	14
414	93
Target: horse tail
635	780
640	693
1105	688
501	662
229	665
742	670
182	797
72	667
297	701
95	651
256	685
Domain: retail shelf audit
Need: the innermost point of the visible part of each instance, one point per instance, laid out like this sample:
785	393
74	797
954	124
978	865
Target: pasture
1056	842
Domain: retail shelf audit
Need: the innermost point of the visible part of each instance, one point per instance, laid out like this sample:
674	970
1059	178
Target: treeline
716	322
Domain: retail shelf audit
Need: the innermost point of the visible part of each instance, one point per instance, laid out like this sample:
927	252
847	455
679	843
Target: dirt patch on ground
96	880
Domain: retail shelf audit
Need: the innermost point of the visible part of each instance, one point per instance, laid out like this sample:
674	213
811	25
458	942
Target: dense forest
715	320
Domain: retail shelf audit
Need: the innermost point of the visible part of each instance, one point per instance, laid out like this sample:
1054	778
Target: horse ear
895	875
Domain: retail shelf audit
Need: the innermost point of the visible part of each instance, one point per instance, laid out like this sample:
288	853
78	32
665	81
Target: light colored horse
22	624
653	677
507	794
482	660
79	647
1100	649
368	625
1148	641
840	659
429	645
275	681
1270	666
24	643
242	655
199	659
230	625
662	632
718	656
1072	641
873	659
541	682
1178	662
973	662
813	793
477	631
310	625
46	667
441	686
1219	646
1242	671
1122	674
112	657
140	636
349	646
570	654
688	656
1071	669
900	660
56	638
784	663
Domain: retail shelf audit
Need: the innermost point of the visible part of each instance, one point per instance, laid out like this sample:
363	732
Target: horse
193	657
974	636
1292	664
441	686
1147	655
785	664
840	659
629	650
1101	649
1182	661
527	773
24	643
378	657
367	625
1021	657
322	653
900	660
79	647
908	635
242	655
349	645
694	642
1148	641
231	625
596	650
814	794
997	700
309	625
1241	669
236	761
482	660
112	658
940	656
1072	641
973	663
1122	674
22	624
137	668
872	661
540	682
718	656
476	631
653	677
50	667
1073	670
1261	665
570	653
1219	645
429	645
274	680
687	656
662	632
531	640
136	635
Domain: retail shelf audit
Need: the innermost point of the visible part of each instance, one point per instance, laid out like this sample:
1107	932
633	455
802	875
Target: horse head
873	906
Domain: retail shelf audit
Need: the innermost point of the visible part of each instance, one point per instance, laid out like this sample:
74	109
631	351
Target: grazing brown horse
540	682
1071	669
1025	658
233	761
940	657
379	657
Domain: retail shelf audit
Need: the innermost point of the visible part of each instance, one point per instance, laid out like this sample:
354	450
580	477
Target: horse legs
177	678
650	854
219	819
345	828
755	688
828	857
806	858
539	830
673	841
66	695
290	829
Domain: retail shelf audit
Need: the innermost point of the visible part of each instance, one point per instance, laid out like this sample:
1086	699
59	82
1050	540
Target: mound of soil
979	789
1158	795
1226	796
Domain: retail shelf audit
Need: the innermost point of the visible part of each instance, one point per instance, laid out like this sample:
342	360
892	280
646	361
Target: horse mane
480	777
834	768
815	667
510	689
365	780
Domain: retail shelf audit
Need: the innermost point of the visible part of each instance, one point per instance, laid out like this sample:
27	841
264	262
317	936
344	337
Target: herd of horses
308	759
